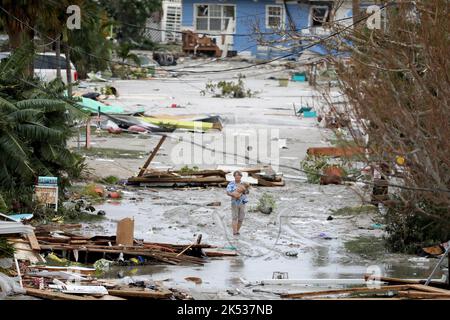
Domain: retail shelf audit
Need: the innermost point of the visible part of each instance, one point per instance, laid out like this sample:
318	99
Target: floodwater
178	216
345	247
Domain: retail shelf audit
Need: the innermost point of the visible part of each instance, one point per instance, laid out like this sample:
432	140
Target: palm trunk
16	40
68	70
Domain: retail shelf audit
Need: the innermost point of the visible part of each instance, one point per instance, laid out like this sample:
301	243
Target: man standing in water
238	193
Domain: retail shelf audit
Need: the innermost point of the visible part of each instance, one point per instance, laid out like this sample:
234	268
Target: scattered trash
266	203
291	253
114	195
196	280
101	213
102	265
309	114
323	235
21	217
280	275
9	286
434	250
299	77
419	260
99	190
330	218
138	129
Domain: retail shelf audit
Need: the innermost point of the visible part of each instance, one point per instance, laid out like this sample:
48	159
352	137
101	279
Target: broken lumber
140	294
390	280
344	291
415	294
34	244
51	295
335	151
422	287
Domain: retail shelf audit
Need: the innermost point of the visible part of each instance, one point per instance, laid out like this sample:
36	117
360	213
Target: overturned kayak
95	106
182	124
125	122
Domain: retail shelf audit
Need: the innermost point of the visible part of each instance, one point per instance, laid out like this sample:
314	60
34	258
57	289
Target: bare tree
396	84
398	89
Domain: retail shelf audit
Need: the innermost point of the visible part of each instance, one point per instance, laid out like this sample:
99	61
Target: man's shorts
238	212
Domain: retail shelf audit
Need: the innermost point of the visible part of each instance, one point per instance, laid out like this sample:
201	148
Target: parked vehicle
45	66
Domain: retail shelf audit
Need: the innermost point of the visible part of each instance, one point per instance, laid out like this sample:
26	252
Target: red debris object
115	130
99	190
114	195
332	175
335	151
136	129
174	105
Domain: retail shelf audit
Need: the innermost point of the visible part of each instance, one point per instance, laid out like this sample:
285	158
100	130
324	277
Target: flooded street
265	240
296	238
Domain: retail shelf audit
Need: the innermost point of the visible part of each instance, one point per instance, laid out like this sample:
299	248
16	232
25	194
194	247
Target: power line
73	103
240	68
205	71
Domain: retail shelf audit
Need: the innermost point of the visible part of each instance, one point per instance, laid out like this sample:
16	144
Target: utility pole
65	40
58	57
356	11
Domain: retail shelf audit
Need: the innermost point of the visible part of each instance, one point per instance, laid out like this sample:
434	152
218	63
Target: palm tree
34	127
123	51
18	16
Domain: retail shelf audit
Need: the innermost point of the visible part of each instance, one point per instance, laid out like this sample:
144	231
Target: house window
274	17
213	17
319	15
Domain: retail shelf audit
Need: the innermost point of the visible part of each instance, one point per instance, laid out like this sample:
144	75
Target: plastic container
299	77
310	114
283	82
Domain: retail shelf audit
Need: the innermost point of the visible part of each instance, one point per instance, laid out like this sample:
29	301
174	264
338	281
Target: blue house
252	27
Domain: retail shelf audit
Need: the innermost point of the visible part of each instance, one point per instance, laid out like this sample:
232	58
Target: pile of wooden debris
54	263
393	288
215	177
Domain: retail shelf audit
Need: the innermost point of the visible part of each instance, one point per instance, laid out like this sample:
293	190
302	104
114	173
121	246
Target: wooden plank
212	253
140	294
50	295
152	155
414	294
33	242
209	179
425	288
166	257
110	297
433	283
345	291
